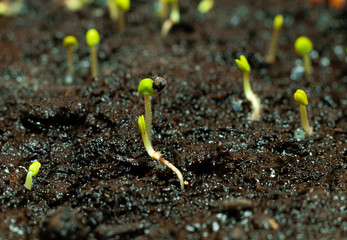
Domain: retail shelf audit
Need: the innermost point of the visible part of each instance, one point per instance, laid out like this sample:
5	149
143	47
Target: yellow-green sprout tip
300	97
33	171
70	41
243	64
124	5
205	6
142	125
303	45
146	87
93	37
278	21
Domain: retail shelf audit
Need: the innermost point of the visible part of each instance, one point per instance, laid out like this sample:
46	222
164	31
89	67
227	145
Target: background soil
247	180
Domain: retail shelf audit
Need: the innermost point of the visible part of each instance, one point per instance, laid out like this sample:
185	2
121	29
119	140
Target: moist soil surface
246	179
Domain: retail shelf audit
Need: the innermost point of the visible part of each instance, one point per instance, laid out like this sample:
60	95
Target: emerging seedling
122	6
205	6
150	87
174	18
154	154
33	171
301	98
243	65
303	46
277	25
93	39
70	42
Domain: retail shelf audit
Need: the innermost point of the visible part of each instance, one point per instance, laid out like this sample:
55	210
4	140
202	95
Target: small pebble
299	134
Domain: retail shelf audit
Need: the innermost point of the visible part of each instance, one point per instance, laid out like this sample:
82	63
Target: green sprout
174	18
75	5
33	171
93	39
205	6
113	10
70	42
277	25
154	154
243	65
301	98
303	46
122	6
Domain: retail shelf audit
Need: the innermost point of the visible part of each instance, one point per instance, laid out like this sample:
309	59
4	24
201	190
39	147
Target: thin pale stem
164	9
121	20
29	180
174	169
112	9
307	64
271	56
94	61
70	61
251	97
148	117
304	120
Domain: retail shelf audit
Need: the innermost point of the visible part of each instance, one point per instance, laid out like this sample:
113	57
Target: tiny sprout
243	65
150	87
33	171
301	98
70	42
122	6
277	25
174	18
205	6
303	46
157	155
93	39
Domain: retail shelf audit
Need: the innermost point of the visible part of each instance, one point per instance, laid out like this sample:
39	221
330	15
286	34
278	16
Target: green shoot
243	65
70	42
112	10
205	6
150	87
122	6
93	39
303	46
301	98
174	18
75	5
157	155
33	171
277	25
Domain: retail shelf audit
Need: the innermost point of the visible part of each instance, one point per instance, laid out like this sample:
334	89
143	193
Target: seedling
243	65
150	87
174	18
93	40
303	46
112	9
154	154
205	6
70	42
33	171
122	6
301	98
277	25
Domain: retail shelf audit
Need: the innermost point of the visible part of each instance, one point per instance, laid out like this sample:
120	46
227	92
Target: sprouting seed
301	98
122	6
93	39
303	46
70	42
243	65
174	18
205	6
277	25
33	171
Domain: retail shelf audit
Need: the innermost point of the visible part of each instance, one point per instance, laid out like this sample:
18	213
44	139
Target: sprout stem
304	121
121	20
112	9
70	61
94	60
251	97
29	180
148	117
271	56
307	64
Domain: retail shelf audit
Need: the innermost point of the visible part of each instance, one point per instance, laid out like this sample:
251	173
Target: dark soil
247	180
